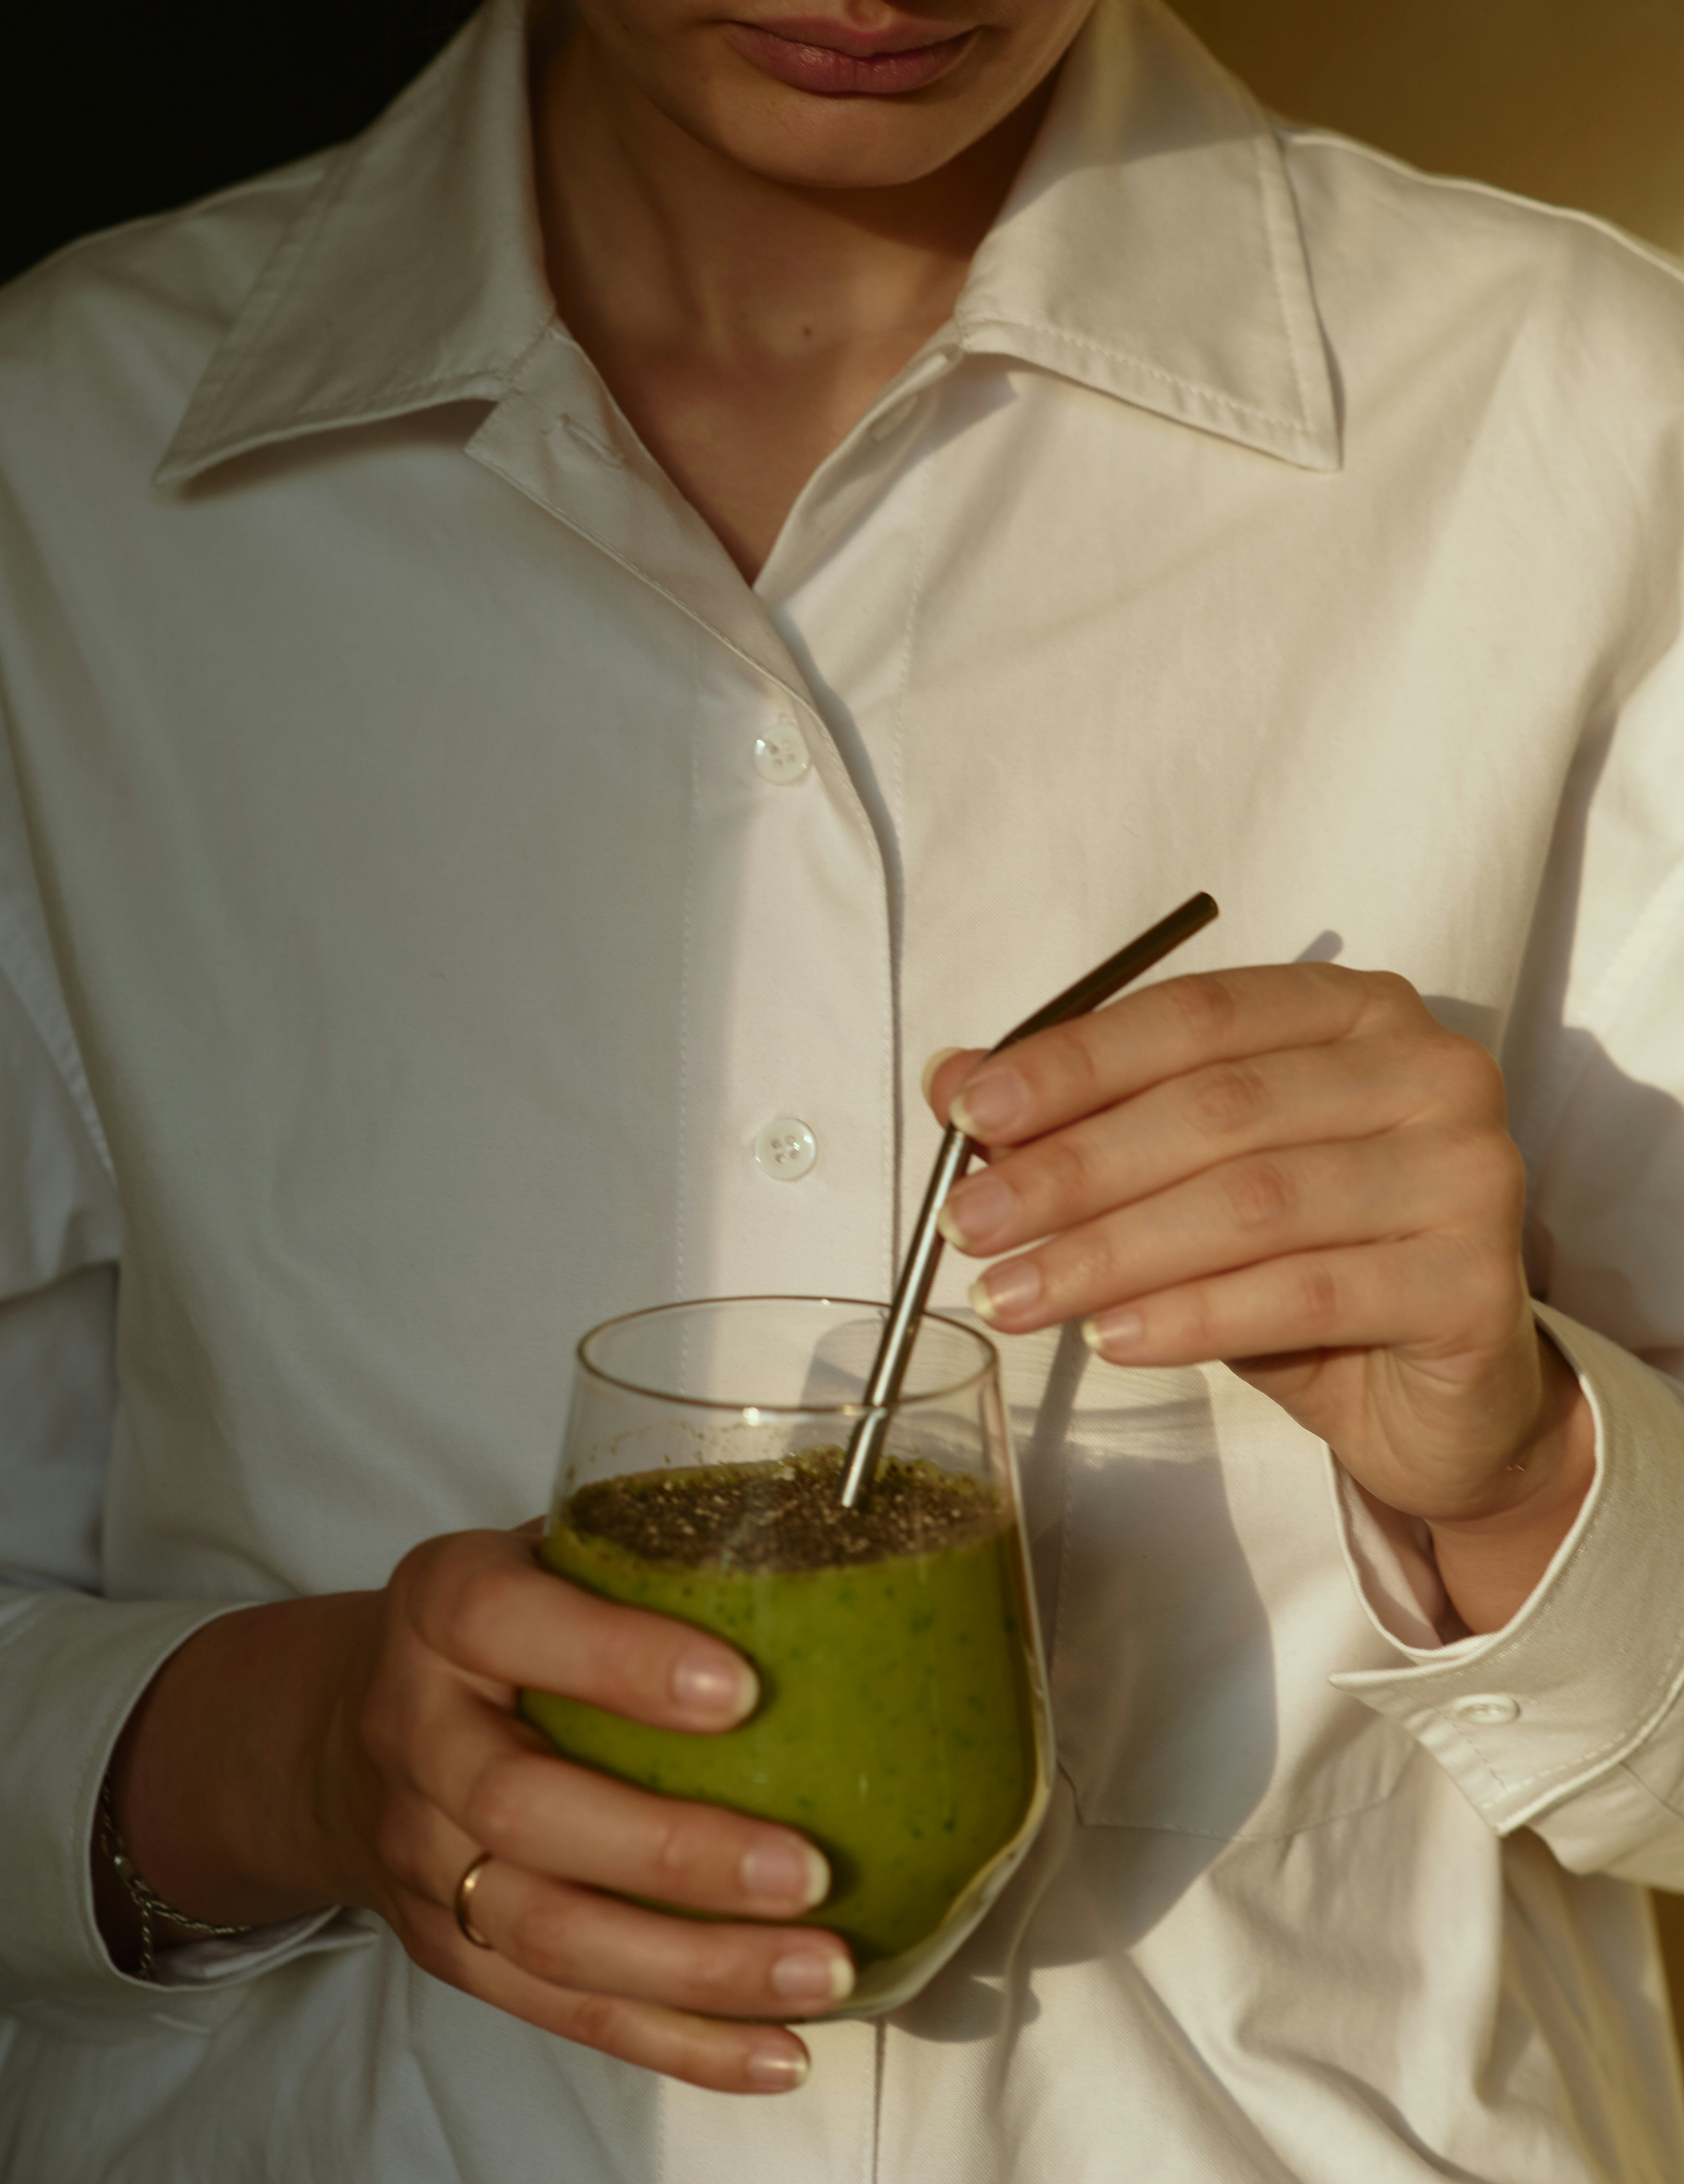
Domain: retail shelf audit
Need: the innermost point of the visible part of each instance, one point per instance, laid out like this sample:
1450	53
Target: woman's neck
744	325
655	232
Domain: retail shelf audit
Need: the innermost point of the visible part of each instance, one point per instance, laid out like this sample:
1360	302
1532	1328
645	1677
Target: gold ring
464	1898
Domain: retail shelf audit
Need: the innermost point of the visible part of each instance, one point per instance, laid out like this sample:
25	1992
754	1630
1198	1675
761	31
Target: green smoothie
895	1726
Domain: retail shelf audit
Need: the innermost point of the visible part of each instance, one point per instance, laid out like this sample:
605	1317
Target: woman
636	633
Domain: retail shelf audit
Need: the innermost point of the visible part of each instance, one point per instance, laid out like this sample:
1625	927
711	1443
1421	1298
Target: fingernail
776	2070
790	1871
975	1211
813	1975
1112	1332
1010	1289
941	1054
725	1690
991	1101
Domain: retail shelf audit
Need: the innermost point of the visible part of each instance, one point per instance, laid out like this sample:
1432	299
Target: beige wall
1581	102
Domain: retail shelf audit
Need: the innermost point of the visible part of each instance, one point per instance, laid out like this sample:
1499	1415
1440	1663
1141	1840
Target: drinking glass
902	1723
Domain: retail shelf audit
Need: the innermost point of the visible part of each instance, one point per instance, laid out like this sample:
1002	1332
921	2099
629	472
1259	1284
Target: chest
467	890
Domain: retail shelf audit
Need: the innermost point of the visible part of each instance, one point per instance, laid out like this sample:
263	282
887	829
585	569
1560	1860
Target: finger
482	1602
723	2057
511	1795
944	1072
1440	1296
1180	1025
1186	1126
574	1937
1258	1209
552	1817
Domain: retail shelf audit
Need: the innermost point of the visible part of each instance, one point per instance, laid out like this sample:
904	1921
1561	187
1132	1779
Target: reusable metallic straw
912	1291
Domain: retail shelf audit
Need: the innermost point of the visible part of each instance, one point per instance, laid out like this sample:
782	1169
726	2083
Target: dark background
109	112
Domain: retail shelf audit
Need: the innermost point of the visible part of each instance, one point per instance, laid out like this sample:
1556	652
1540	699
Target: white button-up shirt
442	905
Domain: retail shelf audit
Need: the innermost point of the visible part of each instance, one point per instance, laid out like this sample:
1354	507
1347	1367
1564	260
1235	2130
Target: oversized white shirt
413	907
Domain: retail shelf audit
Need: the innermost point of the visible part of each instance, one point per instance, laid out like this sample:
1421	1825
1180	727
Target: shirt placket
786	1106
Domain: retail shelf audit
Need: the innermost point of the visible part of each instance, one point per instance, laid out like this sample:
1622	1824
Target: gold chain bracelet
145	1898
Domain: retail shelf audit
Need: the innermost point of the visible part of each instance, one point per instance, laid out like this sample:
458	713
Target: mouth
835	60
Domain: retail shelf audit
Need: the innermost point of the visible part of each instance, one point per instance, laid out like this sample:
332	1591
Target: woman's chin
792	137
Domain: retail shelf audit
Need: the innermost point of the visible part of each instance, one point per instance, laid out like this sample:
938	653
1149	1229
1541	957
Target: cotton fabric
400	952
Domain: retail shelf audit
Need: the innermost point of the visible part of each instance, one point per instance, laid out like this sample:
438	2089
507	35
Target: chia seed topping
785	1515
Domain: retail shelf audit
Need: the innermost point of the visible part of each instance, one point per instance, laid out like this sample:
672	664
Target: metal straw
912	1291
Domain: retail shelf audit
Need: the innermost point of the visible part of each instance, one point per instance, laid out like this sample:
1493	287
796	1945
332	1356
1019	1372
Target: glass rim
988	1368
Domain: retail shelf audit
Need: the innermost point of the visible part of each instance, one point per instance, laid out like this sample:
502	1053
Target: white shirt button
781	754
786	1148
1486	1709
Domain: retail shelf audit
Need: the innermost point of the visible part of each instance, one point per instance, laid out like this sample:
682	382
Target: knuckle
497	1808
1391	994
627	1658
1079	1057
1261	1193
408	1587
1208	1005
1226	1099
1491	1284
549	1938
1384	1011
1091	1264
1470	1078
1487	1174
1511	1181
1316	1298
1464	1159
596	2020
1384	1005
470	1615
1071	1166
681	1846
430	1568
1198	1324
711	1980
414	1567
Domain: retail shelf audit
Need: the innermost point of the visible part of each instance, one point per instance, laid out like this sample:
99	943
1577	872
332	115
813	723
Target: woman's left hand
1293	1168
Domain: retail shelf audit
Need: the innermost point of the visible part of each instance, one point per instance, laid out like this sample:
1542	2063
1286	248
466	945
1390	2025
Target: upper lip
902	38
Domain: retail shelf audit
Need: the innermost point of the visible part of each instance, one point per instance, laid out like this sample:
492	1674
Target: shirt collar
1150	248
412	275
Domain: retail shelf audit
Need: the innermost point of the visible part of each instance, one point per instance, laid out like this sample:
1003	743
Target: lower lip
828	74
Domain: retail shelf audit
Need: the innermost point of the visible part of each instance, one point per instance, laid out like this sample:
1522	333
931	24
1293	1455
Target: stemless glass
903	1721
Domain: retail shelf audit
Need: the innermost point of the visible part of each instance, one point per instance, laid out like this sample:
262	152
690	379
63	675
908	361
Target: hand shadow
1161	1667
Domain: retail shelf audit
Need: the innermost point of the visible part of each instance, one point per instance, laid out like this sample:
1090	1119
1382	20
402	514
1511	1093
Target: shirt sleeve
1570	1720
72	1663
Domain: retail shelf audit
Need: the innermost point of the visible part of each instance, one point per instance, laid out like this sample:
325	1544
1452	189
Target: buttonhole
593	443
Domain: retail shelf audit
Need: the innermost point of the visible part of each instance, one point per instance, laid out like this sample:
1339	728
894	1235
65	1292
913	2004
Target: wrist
1491	1562
147	1923
217	1779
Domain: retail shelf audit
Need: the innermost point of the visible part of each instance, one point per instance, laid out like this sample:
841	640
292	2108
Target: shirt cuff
231	1960
71	1671
1525	1716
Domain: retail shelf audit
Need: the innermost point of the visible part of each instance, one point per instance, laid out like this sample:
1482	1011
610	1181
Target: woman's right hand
415	1762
